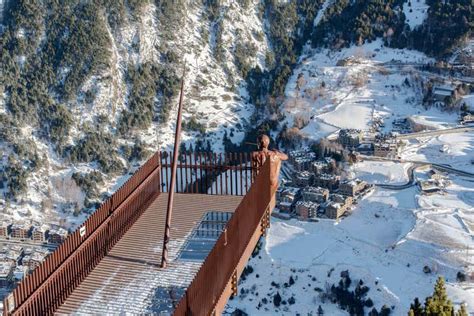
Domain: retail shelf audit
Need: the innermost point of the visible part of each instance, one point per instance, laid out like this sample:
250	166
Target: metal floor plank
130	273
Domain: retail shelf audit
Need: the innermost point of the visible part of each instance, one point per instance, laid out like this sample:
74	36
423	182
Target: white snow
415	12
456	150
385	239
321	12
333	97
469	100
3	109
381	172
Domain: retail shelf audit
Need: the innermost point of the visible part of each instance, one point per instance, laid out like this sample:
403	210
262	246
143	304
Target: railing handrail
34	281
209	173
202	295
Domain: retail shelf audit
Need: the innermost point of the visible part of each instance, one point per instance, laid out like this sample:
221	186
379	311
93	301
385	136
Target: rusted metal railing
49	284
209	173
217	277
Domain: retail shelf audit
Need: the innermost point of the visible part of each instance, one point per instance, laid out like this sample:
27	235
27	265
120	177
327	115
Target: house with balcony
337	206
350	138
38	233
303	179
307	209
442	91
6	273
33	259
57	235
20	231
325	180
315	194
302	163
352	187
325	165
286	198
387	148
5	228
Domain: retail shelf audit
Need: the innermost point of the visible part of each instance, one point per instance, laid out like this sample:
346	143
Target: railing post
5	307
265	221
234	283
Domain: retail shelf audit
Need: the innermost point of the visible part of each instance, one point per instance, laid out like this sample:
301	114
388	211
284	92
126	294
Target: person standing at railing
259	157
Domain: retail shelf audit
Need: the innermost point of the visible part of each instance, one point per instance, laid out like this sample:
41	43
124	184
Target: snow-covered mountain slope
215	93
216	98
351	87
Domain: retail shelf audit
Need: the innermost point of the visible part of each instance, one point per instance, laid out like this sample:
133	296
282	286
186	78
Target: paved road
431	74
410	183
411	171
464	129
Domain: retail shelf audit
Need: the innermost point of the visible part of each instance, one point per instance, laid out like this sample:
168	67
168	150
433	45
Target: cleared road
410	183
464	129
411	171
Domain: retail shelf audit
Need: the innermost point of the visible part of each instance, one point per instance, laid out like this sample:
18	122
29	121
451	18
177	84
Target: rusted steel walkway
127	279
111	263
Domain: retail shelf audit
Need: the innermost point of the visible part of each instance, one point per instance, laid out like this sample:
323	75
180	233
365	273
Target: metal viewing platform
111	264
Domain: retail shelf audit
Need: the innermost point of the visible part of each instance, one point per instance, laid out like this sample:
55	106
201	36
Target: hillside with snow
390	236
216	101
90	89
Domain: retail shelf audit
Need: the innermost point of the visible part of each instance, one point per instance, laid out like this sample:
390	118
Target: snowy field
380	172
386	242
333	96
456	150
415	12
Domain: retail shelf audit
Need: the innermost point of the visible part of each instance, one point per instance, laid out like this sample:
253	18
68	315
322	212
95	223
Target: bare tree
300	121
300	82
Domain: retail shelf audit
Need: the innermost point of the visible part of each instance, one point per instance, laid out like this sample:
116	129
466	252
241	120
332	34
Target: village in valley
314	184
23	247
316	189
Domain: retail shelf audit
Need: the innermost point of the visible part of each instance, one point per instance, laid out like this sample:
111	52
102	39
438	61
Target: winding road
411	171
463	129
410	183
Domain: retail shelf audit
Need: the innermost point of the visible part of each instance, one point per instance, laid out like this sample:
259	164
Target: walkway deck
129	278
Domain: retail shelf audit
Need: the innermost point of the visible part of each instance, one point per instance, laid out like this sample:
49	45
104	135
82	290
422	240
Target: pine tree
277	299
462	311
291	281
320	311
436	305
439	304
416	309
374	312
385	311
